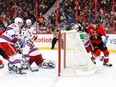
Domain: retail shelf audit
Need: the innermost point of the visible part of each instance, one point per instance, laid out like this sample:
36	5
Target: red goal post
72	56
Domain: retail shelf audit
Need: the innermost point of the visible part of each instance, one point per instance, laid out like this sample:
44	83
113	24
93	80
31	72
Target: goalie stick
33	70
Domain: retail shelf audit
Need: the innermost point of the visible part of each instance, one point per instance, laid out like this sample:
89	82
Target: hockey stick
33	70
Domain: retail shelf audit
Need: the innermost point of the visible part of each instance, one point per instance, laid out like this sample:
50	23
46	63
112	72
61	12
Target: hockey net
73	58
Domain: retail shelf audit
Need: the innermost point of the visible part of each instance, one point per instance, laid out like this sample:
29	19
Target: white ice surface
104	76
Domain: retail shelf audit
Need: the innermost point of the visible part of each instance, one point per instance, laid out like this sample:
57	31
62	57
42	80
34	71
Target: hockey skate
48	64
107	64
93	60
25	64
15	69
19	71
1	66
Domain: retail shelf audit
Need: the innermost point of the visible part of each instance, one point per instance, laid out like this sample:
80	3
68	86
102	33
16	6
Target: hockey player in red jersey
96	32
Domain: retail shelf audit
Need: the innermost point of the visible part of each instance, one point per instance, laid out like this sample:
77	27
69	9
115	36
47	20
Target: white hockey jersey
11	32
85	38
28	33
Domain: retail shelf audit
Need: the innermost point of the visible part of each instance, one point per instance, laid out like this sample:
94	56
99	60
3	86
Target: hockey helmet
28	22
78	27
19	21
95	24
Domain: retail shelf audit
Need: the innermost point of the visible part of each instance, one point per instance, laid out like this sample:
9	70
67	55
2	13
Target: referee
55	37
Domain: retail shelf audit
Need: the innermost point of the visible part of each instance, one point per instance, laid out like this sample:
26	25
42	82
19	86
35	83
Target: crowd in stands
105	14
86	13
24	9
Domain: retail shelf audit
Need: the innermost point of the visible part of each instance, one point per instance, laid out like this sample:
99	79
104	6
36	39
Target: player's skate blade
15	69
107	64
19	71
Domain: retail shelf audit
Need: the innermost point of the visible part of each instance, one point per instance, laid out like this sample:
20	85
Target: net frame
62	62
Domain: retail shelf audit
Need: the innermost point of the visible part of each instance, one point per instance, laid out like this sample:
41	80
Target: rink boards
44	41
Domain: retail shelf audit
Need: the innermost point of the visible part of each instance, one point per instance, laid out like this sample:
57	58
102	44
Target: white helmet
28	22
19	21
76	26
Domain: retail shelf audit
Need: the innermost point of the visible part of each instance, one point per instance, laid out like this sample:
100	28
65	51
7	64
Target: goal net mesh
74	58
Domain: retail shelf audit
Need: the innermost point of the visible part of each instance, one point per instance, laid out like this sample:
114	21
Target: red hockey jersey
97	33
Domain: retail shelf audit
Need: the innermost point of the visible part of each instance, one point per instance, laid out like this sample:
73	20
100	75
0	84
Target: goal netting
73	58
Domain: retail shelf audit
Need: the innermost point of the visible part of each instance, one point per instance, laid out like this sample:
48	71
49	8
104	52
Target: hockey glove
15	39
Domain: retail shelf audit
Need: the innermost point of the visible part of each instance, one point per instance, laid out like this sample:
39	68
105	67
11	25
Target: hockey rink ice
104	76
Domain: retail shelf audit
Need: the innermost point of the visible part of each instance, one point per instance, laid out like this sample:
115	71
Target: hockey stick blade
33	70
20	73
